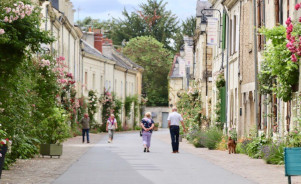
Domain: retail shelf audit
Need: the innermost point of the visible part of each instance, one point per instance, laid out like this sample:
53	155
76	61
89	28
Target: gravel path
46	170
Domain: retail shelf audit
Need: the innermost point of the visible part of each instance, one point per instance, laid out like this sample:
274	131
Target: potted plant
55	131
156	127
4	143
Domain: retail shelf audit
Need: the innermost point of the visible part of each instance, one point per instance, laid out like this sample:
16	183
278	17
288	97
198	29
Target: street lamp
203	24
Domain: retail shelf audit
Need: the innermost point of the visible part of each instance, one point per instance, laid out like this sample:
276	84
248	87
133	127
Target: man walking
174	120
85	122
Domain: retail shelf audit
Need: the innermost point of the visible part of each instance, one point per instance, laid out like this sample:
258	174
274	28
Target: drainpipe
255	64
74	67
227	71
206	64
69	51
46	17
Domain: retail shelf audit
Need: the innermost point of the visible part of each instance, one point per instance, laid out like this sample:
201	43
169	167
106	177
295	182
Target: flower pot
3	150
156	128
51	150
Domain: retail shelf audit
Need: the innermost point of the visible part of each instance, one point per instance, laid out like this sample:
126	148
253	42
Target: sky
106	9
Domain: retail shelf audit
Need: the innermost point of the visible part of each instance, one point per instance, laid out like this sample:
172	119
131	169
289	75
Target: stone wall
157	113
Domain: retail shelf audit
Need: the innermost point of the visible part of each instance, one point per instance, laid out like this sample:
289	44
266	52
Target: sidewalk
46	170
253	169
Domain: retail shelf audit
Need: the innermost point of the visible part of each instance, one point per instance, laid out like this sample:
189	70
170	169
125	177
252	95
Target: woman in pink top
111	127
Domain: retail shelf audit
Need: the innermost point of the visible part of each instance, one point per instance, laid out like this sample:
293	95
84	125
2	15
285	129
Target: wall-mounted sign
212	31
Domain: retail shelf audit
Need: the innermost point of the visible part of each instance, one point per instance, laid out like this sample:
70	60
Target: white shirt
175	118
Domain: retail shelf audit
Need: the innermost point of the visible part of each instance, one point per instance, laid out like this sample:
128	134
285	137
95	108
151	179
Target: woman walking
147	125
111	126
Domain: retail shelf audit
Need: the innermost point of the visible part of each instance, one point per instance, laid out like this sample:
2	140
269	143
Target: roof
127	60
175	69
120	62
91	50
202	5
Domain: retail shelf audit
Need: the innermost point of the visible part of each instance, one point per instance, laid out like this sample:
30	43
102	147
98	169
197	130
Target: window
234	35
260	23
93	81
231	37
101	84
106	85
121	89
278	11
86	80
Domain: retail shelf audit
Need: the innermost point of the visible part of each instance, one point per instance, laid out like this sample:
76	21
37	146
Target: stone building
243	54
181	72
92	59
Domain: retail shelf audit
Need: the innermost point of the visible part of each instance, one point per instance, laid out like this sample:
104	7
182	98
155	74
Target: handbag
140	133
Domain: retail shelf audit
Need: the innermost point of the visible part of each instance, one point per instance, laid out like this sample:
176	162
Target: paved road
123	162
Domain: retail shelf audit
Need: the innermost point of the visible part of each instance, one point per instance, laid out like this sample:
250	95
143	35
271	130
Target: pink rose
6	19
294	58
288	21
2	31
297	6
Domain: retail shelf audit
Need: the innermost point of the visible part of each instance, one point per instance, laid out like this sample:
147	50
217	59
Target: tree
188	26
93	23
156	60
152	19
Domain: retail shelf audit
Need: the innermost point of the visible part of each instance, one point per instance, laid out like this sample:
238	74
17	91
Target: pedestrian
111	127
174	119
85	122
147	125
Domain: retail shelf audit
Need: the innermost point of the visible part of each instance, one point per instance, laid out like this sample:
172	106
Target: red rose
2	143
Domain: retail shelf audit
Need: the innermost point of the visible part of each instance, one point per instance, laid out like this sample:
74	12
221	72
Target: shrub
223	145
254	148
273	153
212	137
241	146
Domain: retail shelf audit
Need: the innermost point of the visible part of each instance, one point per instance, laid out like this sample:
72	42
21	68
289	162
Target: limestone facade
101	69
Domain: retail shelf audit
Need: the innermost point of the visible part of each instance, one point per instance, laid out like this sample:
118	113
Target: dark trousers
86	131
174	134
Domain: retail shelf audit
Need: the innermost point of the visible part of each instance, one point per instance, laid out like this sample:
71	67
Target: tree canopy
156	60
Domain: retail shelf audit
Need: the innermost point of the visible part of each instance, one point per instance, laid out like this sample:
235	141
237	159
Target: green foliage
151	19
21	38
233	134
110	104
188	26
128	103
30	112
54	128
220	81
213	136
92	106
273	153
209	138
294	139
253	149
278	74
156	60
189	105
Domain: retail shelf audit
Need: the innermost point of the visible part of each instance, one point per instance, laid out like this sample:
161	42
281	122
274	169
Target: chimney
98	39
107	47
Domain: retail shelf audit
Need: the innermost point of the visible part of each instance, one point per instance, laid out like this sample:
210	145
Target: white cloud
101	15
